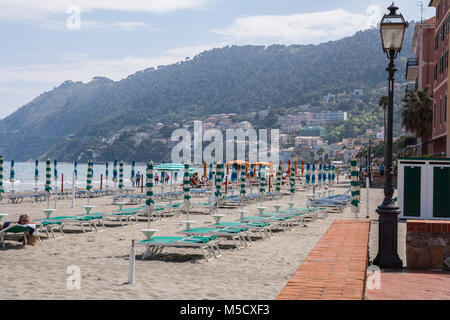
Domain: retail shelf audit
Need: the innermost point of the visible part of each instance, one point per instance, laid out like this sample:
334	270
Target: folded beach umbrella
355	187
219	177
333	173
150	201
319	175
296	168
75	170
114	179
187	190
106	171
11	172
1	177
279	173
36	171
121	186
89	177
48	176
262	180
210	175
55	170
329	174
292	182
303	167
313	175
308	174
243	186
132	177
325	174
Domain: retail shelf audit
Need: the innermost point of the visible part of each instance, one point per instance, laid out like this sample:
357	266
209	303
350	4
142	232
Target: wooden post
101	181
142	184
269	181
226	184
62	183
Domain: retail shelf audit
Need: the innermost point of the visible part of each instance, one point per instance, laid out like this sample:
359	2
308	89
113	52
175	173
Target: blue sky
117	38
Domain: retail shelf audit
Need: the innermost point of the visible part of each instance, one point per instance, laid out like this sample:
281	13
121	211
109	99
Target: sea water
24	175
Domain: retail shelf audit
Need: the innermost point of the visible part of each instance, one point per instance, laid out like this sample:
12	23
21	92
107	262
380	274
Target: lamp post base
387	257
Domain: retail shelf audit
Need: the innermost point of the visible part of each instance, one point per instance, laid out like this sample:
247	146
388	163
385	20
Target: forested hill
237	79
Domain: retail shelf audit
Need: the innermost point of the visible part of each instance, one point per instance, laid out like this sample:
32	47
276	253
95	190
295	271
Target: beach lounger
284	223
239	236
262	228
16	230
155	245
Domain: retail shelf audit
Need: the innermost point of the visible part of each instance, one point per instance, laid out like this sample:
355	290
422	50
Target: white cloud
38	9
296	28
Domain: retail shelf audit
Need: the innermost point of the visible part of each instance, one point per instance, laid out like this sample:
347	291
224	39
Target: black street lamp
392	29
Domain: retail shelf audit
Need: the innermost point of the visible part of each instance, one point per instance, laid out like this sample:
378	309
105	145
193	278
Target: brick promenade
335	268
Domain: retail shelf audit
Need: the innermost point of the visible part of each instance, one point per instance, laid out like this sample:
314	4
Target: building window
440	111
434	116
445	109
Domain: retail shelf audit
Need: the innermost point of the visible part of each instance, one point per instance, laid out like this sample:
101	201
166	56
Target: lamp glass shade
392	36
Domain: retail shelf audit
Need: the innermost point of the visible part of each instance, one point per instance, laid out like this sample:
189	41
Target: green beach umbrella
319	175
48	176
243	186
308	174
89	176
219	177
121	186
292	182
150	201
132	177
187	190
55	170
1	177
313	175
355	187
48	180
12	173
75	171
90	173
278	183
36	171
114	179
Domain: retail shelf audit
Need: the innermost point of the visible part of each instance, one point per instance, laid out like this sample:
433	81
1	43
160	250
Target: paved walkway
412	285
335	268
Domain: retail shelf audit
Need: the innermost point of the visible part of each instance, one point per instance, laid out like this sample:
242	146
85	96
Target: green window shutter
441	192
411	199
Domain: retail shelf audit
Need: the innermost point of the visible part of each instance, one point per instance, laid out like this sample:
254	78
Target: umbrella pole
73	188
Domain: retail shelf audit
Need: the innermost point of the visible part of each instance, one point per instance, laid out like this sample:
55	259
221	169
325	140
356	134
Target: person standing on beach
156	178
138	179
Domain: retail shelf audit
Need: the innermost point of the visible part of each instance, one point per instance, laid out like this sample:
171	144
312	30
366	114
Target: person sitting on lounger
24	220
195	181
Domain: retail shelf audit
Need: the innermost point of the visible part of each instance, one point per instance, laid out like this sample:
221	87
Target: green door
411	199
441	192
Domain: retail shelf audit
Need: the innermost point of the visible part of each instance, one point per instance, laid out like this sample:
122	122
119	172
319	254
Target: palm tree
320	152
312	154
383	102
417	115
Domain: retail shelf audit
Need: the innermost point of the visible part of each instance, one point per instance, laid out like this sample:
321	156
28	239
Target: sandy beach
255	273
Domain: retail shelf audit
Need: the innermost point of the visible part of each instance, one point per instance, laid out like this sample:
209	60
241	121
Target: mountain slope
73	117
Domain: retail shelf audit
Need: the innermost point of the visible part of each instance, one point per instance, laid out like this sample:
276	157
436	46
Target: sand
255	273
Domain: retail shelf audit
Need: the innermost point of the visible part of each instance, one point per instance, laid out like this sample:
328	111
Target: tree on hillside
417	115
320	153
383	102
